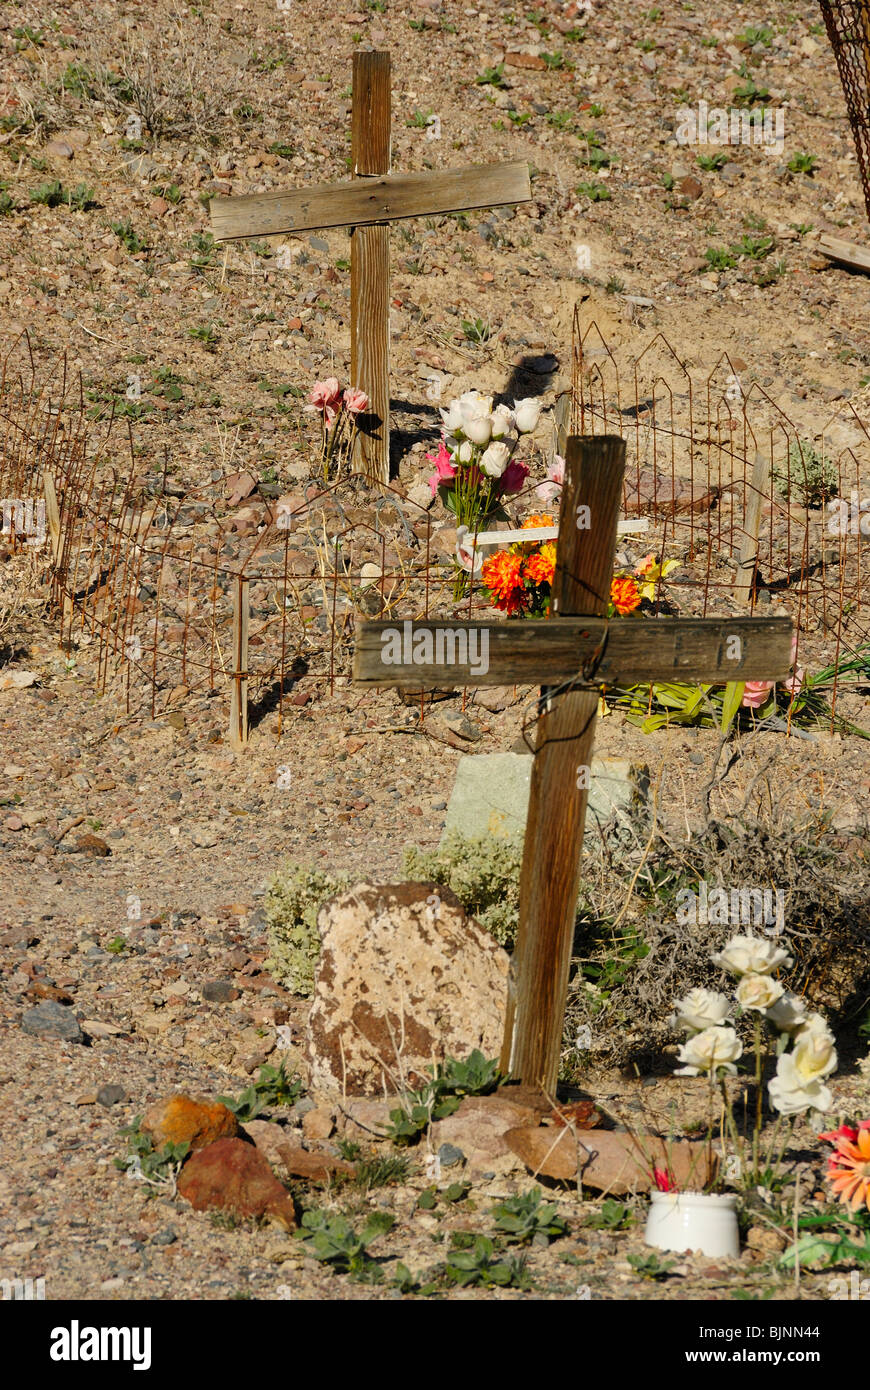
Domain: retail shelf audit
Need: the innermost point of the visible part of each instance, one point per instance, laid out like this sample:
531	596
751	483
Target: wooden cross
367	205
572	655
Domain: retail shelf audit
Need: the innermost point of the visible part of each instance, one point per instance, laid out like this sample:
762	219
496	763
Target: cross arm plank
368	200
415	655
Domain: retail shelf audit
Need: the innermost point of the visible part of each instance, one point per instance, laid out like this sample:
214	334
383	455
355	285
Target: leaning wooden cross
368	205
571	655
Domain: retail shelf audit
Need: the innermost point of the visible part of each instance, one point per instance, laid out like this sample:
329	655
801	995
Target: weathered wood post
538	990
238	733
748	561
370	268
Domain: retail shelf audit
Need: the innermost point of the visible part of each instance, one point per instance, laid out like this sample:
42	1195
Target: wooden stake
370	268
751	526
238	735
557	805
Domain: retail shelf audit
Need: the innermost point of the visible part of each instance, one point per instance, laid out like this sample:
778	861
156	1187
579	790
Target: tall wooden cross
367	205
571	655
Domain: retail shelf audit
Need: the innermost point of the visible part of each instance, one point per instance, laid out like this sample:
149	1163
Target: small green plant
667	182
170	191
81	198
613	1216
614	285
419	120
521	1219
559	120
710	162
272	1088
809	476
205	334
755	247
155	1166
438	1097
719	258
595	192
491	77
650	1266
79	81
647	45
770	273
476	331
480	1265
349	1149
7	204
519	118
381	1171
332	1240
842	1246
292	902
748	94
282	150
757	33
130	239
49	194
555	61
803	164
117	946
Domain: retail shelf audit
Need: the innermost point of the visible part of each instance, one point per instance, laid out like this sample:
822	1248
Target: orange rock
315	1167
232	1175
192	1120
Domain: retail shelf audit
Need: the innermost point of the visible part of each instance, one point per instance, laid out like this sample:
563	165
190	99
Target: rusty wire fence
761	512
848	26
177	602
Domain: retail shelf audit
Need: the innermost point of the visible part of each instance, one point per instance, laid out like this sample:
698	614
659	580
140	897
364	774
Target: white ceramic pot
693	1221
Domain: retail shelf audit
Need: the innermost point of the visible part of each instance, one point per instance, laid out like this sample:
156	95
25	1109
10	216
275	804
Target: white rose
750	955
700	1009
495	459
476	424
452	417
814	1054
502	421
788	1013
464	452
467	554
792	1094
526	413
713	1050
815	1023
758	992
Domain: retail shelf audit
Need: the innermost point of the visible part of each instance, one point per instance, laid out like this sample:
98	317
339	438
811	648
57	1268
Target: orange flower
502	575
624	595
541	520
849	1169
541	566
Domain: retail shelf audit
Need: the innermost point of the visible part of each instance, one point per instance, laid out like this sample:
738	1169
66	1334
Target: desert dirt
257	96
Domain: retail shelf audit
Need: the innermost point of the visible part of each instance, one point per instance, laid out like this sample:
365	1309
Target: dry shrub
635	958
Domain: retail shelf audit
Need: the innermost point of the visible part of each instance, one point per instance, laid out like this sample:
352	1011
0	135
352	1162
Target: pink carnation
445	470
355	400
326	397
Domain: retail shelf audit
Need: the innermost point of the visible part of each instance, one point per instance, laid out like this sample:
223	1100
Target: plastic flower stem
758	1095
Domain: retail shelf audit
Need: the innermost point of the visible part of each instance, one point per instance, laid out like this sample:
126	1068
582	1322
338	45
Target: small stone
92	844
158	207
165	1237
219	992
110	1095
315	1167
691	187
450	1154
766	1239
52	1020
59	149
318	1123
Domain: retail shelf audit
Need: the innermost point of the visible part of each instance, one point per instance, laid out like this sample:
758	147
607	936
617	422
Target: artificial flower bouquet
475	467
339	412
518	580
801	1040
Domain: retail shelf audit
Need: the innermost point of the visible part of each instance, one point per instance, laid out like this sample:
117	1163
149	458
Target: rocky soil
136	851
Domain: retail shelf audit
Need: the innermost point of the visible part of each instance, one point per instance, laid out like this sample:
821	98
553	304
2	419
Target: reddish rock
691	187
158	207
524	60
479	1125
92	844
193	1120
607	1160
232	1175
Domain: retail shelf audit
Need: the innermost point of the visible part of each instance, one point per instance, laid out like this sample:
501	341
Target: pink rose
444	468
326	397
514	477
755	693
355	400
